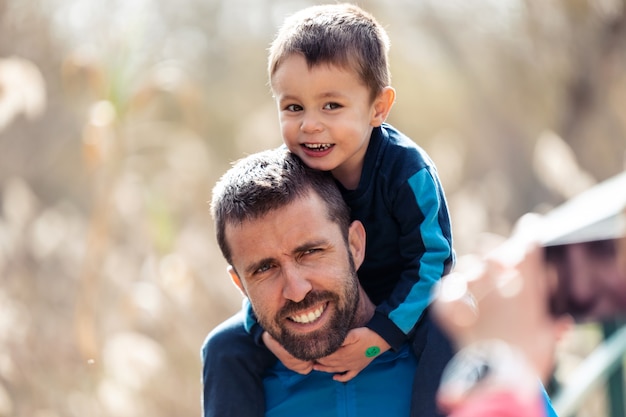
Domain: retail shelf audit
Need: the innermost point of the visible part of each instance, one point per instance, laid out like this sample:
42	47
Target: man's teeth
318	146
308	317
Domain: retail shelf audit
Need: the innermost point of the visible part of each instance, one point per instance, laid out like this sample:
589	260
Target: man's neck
364	311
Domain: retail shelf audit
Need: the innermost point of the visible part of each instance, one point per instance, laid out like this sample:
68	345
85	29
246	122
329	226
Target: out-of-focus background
117	117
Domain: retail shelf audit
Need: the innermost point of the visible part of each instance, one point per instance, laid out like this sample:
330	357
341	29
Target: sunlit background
117	117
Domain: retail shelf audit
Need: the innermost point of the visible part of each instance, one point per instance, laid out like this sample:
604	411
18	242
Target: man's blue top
383	388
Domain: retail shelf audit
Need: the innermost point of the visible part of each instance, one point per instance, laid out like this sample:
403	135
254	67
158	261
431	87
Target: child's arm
426	247
359	348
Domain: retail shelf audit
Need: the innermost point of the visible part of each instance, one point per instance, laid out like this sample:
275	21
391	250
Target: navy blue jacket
401	203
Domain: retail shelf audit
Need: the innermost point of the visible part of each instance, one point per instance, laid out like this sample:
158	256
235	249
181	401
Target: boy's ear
236	280
382	105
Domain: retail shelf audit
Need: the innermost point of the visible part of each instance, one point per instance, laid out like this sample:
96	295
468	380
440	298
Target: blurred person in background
495	309
507	310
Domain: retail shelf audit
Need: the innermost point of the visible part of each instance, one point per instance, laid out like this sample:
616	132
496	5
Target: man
286	233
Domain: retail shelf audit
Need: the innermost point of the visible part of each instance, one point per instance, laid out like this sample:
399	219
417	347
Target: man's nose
296	285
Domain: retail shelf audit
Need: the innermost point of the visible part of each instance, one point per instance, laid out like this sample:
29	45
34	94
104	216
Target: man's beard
322	342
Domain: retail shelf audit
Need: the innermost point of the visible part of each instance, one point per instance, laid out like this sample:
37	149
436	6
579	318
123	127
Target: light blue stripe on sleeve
432	261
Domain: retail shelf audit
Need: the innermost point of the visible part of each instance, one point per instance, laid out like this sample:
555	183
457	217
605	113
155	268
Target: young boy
329	75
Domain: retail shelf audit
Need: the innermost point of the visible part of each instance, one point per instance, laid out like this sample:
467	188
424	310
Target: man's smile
310	316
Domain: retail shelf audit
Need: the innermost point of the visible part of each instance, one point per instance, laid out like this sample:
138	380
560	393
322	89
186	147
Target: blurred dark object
585	241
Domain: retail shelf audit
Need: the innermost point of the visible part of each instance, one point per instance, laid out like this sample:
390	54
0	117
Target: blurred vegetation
117	117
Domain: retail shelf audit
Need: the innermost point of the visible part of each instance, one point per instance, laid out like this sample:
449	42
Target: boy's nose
310	124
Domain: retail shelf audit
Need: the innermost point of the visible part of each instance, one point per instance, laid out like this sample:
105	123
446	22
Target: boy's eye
293	107
332	106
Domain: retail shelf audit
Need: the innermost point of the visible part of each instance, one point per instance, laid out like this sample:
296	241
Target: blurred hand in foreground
495	308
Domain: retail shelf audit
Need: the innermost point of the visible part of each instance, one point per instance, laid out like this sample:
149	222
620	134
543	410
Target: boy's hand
361	346
296	365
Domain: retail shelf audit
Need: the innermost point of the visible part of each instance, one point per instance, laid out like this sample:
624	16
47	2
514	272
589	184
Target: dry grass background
116	118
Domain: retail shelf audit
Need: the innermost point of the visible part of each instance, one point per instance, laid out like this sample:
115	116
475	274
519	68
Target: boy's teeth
318	146
308	317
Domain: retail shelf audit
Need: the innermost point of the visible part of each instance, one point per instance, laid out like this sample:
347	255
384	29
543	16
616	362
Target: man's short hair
335	34
267	181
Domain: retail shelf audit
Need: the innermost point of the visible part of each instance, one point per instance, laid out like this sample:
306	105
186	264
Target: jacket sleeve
426	250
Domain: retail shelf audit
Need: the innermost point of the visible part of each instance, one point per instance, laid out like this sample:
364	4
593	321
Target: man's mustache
313	298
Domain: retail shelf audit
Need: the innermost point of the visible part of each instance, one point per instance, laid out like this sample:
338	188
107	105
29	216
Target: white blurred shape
147	298
132	359
14	322
48	232
22	90
102	113
18	203
556	166
117	400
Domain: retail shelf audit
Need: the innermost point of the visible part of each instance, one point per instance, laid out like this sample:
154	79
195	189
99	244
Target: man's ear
236	280
382	106
356	241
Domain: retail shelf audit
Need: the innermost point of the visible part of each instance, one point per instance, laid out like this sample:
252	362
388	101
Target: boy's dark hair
335	34
267	181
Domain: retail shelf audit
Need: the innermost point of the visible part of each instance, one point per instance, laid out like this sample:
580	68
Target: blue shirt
383	388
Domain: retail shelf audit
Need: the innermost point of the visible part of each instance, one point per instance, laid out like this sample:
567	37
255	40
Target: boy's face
326	116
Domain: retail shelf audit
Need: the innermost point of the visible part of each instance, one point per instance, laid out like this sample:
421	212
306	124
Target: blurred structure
117	117
585	241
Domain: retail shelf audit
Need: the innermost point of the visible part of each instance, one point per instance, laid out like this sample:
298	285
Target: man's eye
263	268
293	107
332	106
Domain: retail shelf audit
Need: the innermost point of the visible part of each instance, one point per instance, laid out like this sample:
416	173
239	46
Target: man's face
298	272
